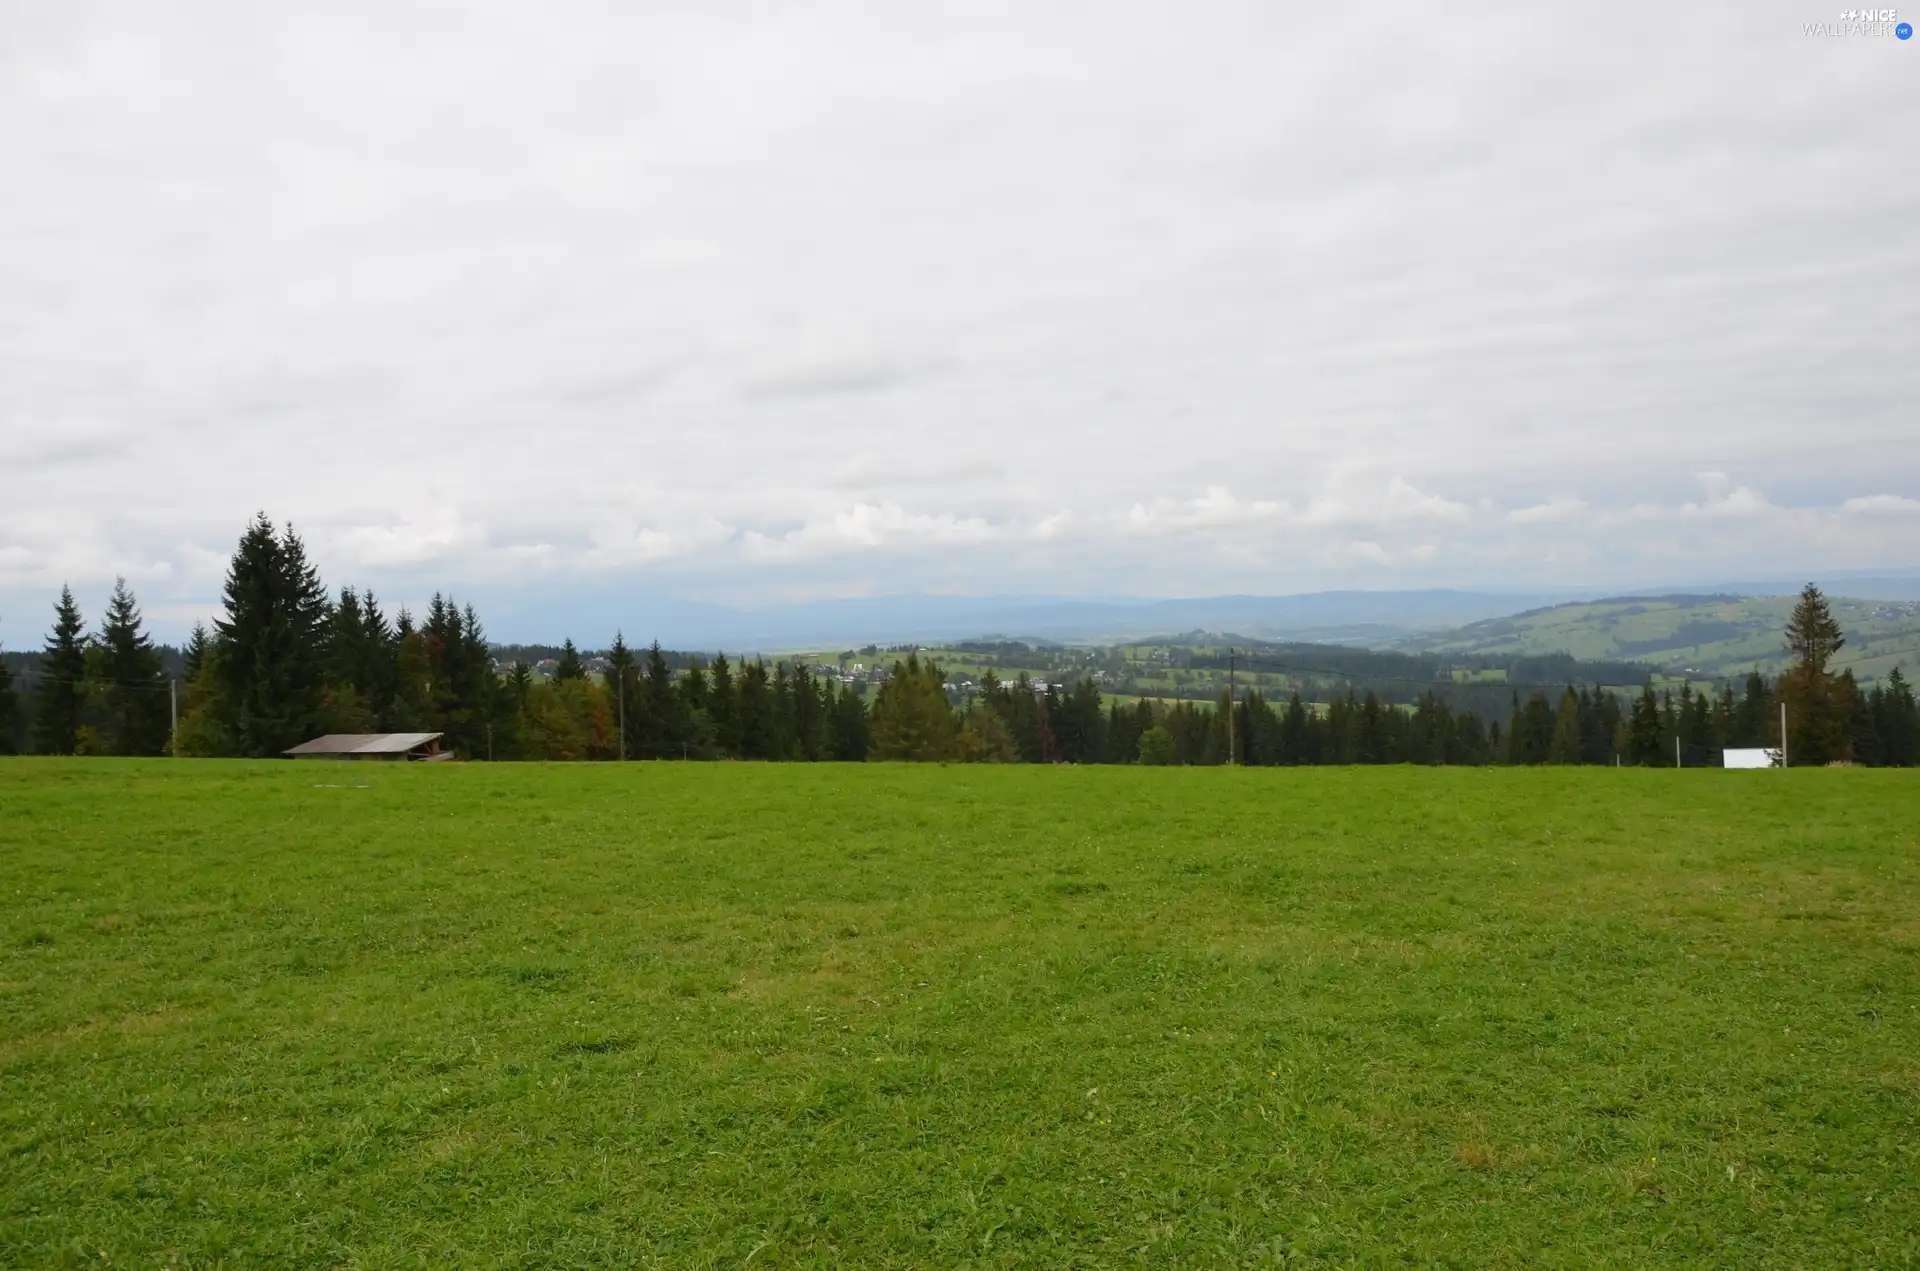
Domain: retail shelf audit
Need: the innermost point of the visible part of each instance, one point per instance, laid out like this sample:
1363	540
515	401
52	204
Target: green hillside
280	1014
1710	635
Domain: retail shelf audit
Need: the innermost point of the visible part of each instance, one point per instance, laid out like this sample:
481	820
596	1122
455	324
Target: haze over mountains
1367	618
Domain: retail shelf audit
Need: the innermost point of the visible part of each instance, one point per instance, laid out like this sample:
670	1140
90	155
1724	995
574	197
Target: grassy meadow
725	1015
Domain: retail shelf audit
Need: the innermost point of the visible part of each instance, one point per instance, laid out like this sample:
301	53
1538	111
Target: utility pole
621	677
1676	752
1233	756
1783	733
173	709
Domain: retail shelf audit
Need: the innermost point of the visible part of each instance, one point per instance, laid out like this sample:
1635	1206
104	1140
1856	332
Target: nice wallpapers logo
1874	23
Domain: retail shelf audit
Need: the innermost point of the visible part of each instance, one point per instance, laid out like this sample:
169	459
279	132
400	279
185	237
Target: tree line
287	660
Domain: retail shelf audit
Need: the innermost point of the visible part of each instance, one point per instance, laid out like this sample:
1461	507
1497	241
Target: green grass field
734	1015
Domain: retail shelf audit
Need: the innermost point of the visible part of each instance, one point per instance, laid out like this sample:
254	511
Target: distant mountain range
1367	618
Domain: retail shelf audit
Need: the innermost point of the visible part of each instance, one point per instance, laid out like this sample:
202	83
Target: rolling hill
1711	635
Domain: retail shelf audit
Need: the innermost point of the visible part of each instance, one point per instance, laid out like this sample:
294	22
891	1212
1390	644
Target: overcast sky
752	302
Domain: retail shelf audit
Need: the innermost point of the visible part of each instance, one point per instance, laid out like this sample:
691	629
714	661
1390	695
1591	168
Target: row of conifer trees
287	661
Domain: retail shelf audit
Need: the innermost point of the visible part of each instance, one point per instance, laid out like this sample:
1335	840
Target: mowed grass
726	1015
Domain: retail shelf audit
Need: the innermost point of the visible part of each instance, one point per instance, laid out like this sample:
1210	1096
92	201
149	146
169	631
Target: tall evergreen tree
379	674
1753	719
569	666
723	708
272	641
60	696
10	739
756	721
1818	702
621	687
1565	746
1643	731
1813	634
665	734
193	657
1898	722
911	716
133	682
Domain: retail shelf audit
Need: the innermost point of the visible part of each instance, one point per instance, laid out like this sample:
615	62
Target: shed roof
363	744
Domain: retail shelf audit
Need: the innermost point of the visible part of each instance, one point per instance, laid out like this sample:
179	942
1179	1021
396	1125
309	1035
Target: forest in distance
288	660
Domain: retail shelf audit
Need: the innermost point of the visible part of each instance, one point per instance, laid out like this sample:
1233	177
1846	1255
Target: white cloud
1126	303
1724	498
1882	505
865	526
1560	507
1215	506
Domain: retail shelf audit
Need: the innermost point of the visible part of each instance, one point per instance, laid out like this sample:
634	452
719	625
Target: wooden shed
415	746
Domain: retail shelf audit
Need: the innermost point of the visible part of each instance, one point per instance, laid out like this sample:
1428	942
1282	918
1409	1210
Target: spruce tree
1295	726
380	672
9	710
664	735
620	687
1643	731
1813	634
723	708
193	658
911	716
1818	703
1564	748
756	712
569	666
1753	719
698	739
1898	722
272	641
850	734
133	682
61	693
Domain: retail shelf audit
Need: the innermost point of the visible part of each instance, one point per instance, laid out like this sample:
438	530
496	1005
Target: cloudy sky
744	302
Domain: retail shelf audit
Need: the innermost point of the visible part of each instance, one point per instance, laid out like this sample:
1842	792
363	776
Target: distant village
870	668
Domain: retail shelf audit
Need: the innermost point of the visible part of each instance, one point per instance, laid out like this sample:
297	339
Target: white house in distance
1751	759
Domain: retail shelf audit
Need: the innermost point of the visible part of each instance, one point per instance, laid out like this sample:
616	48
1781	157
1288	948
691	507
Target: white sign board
1751	759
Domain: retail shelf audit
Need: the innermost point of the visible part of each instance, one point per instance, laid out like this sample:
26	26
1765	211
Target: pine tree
1753	720
1643	731
1863	722
1898	722
380	673
1564	748
133	682
850	732
9	710
810	728
665	734
194	656
911	717
569	667
620	686
723	708
757	735
984	739
1813	634
1818	703
700	740
1157	747
61	694
272	641
1295	728
412	708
